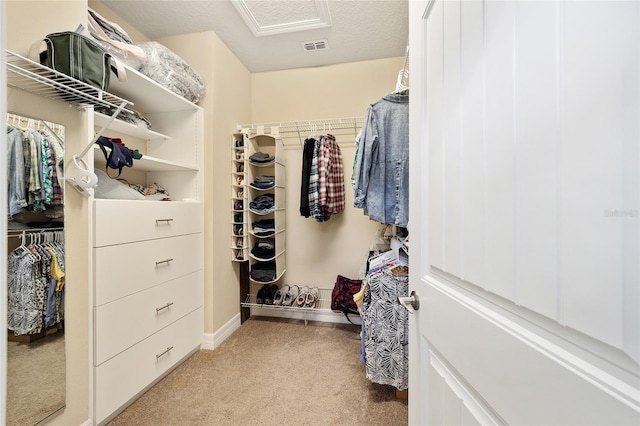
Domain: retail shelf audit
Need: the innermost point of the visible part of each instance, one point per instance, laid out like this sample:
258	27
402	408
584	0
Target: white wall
318	252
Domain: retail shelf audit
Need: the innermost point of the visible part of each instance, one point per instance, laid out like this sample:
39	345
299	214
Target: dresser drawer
124	322
121	378
129	268
123	221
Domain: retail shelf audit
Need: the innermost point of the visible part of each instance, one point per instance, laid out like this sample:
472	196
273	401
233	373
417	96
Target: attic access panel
278	16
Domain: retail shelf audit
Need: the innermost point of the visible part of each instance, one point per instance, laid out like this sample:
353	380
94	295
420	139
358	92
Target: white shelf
128	128
149	96
147	163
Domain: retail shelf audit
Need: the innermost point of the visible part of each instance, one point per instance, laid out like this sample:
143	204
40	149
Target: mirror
36	375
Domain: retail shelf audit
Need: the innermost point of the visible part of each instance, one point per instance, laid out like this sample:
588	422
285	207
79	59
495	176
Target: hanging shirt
330	176
15	171
382	161
307	158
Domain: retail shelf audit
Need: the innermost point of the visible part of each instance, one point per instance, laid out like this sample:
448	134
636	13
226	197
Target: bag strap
346	311
36	49
118	69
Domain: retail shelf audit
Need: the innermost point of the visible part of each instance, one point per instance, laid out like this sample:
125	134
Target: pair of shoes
261	296
302	297
291	295
280	294
312	298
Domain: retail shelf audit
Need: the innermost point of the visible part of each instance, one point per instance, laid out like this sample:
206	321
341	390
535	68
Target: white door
525	212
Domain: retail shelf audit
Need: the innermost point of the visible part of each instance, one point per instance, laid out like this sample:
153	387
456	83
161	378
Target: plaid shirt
313	183
330	176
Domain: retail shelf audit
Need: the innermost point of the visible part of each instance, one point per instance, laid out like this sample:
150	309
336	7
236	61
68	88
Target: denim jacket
382	161
15	171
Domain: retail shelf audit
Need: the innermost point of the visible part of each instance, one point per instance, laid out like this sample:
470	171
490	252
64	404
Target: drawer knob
164	353
167	221
163	307
160	262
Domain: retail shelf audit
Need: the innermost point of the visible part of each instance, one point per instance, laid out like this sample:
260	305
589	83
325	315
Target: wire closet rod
19	232
318	125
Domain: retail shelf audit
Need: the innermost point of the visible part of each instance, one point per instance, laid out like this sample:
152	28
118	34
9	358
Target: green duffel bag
78	57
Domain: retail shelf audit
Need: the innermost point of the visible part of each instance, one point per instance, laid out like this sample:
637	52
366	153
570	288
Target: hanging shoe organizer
25	74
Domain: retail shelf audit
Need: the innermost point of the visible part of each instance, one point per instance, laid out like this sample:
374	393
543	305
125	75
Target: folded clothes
262	202
264	179
264	224
264	248
263	182
260	185
263	271
261	157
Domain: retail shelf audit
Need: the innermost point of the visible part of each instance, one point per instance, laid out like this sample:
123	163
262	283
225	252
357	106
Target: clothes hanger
402	82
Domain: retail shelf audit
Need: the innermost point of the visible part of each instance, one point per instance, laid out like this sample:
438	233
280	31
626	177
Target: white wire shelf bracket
25	74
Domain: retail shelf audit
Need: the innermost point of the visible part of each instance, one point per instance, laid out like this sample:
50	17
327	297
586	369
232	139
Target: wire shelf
25	74
324	303
305	126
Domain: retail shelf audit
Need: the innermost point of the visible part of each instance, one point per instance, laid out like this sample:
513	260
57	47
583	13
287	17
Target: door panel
527	118
521	374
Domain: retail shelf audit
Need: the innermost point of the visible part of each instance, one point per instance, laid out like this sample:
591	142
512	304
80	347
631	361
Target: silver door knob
412	302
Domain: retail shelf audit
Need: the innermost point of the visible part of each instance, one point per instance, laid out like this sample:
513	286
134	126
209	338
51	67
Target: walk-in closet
229	212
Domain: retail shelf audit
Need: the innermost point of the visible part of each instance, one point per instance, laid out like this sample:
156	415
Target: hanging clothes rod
20	232
35	123
305	126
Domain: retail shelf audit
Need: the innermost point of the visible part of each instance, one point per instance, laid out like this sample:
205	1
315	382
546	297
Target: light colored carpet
272	372
35	379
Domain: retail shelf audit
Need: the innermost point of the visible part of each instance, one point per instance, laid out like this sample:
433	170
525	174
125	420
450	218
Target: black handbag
342	296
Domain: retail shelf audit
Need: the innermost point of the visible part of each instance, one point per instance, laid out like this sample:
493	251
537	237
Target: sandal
291	295
312	298
279	297
302	297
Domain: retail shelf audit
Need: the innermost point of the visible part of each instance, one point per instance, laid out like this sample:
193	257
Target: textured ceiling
359	30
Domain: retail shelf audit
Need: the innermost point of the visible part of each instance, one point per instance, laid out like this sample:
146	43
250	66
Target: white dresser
148	255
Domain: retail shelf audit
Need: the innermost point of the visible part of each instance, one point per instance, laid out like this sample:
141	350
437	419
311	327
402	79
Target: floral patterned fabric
386	330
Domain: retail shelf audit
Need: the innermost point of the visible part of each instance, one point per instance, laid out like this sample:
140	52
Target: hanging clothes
385	329
382	161
33	169
322	189
35	287
307	158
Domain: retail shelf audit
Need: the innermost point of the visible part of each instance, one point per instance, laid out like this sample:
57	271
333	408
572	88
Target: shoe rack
239	203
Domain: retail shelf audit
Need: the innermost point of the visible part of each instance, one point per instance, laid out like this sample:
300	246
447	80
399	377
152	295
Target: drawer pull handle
164	353
160	262
163	220
163	307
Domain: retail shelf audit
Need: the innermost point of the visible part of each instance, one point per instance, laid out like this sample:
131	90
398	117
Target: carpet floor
271	372
35	379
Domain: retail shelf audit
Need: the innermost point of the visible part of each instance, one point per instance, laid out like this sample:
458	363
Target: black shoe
260	297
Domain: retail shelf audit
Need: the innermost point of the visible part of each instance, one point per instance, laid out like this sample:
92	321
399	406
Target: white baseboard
212	341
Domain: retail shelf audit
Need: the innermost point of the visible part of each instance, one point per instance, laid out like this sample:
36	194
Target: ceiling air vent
315	45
